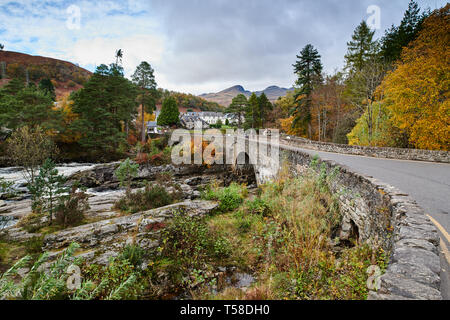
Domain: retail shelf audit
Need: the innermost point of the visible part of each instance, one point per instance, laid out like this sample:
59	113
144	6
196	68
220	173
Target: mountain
224	97
66	76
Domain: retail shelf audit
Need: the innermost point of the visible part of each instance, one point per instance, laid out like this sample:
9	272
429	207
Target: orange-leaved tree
417	91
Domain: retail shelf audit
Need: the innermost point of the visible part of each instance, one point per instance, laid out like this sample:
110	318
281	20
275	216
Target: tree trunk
143	124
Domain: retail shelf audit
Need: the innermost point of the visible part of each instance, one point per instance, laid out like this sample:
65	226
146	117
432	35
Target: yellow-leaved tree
417	91
66	135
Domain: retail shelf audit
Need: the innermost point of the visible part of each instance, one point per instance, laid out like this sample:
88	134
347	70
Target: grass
286	237
153	196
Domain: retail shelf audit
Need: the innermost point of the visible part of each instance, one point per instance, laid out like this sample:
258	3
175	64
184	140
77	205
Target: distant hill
66	76
224	97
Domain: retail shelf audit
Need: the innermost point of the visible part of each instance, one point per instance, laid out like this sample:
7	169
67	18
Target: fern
122	291
47	281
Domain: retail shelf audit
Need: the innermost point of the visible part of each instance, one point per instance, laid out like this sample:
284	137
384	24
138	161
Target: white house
212	118
152	127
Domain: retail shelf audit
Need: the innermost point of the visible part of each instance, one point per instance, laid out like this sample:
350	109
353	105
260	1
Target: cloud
136	48
197	45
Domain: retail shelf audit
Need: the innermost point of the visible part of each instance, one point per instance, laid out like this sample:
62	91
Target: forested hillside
66	76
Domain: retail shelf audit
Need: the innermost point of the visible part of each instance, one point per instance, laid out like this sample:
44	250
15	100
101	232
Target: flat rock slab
103	239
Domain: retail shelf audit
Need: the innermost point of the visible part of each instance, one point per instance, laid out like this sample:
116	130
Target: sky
196	46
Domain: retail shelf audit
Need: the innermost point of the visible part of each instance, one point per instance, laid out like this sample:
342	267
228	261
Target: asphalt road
426	182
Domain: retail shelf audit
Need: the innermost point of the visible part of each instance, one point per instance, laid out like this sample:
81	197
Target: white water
15	174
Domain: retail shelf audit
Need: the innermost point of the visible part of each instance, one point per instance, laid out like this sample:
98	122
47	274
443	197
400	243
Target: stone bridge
380	214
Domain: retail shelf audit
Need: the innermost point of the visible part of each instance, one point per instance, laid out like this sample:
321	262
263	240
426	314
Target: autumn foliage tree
417	92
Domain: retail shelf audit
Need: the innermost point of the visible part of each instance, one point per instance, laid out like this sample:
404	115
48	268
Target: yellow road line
441	228
445	234
445	251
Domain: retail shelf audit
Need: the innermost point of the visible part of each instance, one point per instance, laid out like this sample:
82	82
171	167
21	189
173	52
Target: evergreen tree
265	106
20	106
361	48
308	68
46	86
106	102
252	112
144	78
47	188
13	87
169	112
396	38
238	105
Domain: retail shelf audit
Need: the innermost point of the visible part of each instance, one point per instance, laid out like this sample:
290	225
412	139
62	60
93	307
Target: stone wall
390	153
382	216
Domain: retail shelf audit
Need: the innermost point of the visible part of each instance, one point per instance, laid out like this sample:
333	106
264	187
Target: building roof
151	124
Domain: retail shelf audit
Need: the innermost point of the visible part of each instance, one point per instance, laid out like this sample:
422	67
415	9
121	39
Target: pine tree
48	187
144	78
238	105
20	106
396	38
169	112
13	87
252	112
361	48
308	68
265	106
106	102
46	86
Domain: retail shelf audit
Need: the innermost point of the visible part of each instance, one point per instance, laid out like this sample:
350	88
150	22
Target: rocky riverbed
103	187
106	231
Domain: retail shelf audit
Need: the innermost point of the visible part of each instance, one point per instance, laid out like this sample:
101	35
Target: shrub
29	147
141	158
6	188
162	142
132	139
153	196
158	159
188	242
34	245
230	197
32	222
70	209
126	172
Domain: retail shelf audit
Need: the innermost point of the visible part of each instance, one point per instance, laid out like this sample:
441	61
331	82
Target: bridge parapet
378	152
